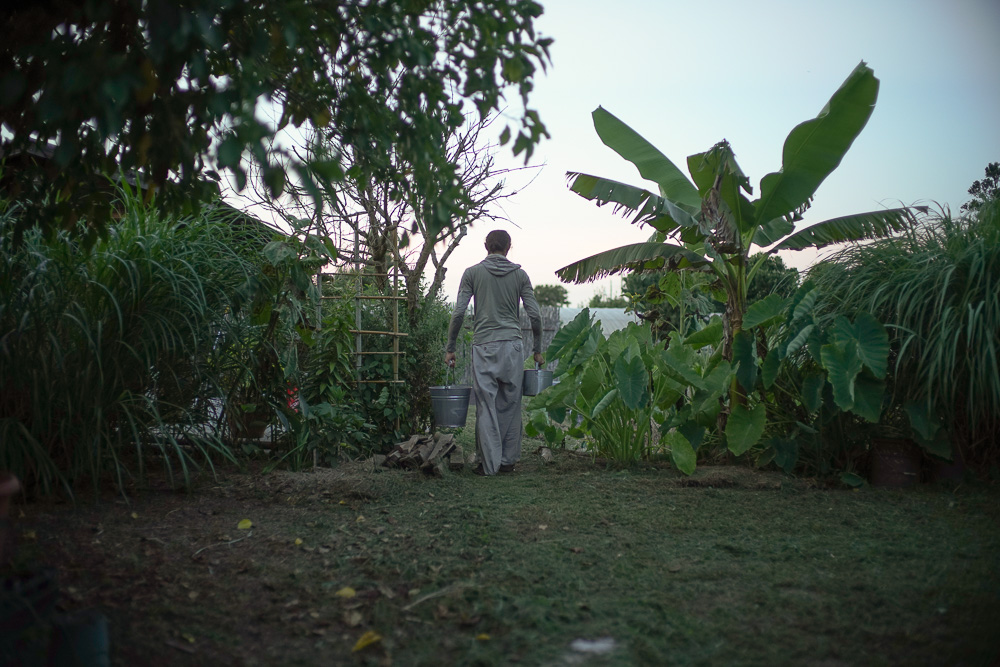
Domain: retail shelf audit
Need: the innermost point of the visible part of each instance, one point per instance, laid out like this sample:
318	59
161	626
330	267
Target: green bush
937	289
108	355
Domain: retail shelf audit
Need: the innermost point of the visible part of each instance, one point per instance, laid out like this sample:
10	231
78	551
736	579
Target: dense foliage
108	357
179	90
937	289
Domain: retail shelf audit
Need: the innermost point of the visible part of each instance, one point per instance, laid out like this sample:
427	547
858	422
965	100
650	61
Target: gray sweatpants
497	372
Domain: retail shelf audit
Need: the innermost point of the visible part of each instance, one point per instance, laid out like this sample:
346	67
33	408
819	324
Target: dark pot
895	462
9	487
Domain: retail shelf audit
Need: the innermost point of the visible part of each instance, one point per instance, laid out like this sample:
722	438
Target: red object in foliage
293	398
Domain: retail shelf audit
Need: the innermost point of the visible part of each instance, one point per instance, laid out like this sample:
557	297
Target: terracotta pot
895	462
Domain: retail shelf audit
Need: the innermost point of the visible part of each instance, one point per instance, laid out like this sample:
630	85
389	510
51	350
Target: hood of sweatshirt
498	265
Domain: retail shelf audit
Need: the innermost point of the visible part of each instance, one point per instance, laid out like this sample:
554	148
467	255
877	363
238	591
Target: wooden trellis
357	273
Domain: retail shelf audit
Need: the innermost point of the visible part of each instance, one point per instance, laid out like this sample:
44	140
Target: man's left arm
534	316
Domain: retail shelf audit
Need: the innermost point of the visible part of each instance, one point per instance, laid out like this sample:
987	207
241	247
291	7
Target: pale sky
686	75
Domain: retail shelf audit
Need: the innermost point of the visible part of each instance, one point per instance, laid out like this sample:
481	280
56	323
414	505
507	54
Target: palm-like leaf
814	148
635	257
661	214
651	163
857	227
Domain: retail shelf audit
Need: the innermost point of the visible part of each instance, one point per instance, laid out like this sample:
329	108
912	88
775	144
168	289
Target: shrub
937	289
107	354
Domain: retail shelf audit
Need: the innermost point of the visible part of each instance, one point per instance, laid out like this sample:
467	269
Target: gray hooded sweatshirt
497	285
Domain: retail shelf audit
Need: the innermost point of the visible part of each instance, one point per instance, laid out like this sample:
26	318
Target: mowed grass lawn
645	566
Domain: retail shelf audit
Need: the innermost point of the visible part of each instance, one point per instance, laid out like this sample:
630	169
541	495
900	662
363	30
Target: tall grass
106	355
937	288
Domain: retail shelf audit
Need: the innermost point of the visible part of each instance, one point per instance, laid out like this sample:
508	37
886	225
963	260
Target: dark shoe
507	468
478	470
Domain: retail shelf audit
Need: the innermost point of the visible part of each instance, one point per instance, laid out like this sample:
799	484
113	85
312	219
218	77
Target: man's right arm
458	316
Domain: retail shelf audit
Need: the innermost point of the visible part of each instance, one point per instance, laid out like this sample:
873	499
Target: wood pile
429	453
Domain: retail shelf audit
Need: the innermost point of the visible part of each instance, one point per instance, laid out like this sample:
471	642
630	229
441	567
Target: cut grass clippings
561	563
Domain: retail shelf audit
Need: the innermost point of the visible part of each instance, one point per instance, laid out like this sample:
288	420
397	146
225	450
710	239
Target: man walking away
498	285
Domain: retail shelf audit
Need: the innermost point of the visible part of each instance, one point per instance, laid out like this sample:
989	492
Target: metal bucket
450	404
535	381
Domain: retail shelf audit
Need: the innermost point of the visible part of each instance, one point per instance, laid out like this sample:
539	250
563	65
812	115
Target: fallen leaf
193	595
245	524
482	637
135	515
360	519
298	541
352	619
542	526
29	535
577	550
346	592
367	639
188	637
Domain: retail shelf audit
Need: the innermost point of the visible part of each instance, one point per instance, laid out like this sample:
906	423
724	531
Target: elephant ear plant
708	224
614	390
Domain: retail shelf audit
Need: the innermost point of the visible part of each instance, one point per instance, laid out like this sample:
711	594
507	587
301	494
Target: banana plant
708	223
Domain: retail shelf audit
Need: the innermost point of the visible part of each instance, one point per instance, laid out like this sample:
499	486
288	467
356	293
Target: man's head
498	242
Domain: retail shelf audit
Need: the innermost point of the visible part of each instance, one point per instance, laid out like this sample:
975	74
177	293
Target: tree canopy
986	189
179	91
551	295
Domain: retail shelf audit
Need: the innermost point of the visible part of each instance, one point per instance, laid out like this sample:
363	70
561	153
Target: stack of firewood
429	453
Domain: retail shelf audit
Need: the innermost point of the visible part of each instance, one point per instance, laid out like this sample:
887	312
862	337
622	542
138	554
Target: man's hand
539	359
449	359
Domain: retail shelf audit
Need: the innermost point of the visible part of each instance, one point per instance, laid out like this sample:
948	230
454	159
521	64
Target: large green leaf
592	381
651	163
603	404
923	421
857	227
637	256
764	312
868	395
744	427
710	334
569	335
769	369
813	149
675	365
681	452
786	453
745	354
770	232
812	391
648	208
870	337
796	339
633	382
842	365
